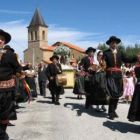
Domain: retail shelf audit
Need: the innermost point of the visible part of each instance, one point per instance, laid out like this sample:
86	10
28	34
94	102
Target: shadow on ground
122	127
80	109
44	102
74	98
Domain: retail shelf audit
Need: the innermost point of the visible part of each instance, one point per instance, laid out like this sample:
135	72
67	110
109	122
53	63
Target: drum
61	80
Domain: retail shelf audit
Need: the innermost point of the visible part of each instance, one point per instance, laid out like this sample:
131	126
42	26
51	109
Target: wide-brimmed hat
113	38
90	49
54	56
6	35
7	47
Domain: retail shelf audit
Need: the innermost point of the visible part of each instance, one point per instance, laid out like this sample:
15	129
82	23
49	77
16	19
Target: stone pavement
41	120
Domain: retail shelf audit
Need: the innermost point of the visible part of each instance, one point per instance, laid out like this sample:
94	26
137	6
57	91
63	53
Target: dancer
114	86
134	110
84	66
97	85
9	66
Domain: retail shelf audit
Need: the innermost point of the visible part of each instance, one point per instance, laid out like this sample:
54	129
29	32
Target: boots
53	98
57	100
2	131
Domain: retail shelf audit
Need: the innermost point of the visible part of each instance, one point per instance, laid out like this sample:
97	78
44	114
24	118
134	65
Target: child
129	83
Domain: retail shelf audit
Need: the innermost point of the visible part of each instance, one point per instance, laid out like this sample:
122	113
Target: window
43	35
31	36
35	35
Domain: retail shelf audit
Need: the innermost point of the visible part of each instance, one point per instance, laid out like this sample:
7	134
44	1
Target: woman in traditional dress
30	79
79	87
134	111
97	88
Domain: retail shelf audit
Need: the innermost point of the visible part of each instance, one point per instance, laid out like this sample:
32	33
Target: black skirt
7	108
97	89
134	110
31	82
79	87
114	84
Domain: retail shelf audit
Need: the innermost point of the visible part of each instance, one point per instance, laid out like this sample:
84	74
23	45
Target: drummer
84	65
52	70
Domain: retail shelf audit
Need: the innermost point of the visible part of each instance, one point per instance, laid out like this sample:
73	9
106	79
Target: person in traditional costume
9	66
134	110
84	66
52	70
98	82
30	79
114	87
79	86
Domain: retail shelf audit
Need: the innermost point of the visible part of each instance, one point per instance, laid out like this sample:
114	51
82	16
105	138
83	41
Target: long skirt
7	108
134	110
97	89
21	91
31	82
79	87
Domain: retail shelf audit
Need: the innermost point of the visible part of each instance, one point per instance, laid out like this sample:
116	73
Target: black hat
7	47
113	38
90	49
6	35
54	56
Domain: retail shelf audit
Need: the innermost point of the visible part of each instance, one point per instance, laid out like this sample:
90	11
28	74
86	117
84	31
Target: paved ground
42	120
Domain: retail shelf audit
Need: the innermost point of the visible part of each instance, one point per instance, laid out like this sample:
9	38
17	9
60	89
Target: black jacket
9	66
85	62
109	58
42	77
52	70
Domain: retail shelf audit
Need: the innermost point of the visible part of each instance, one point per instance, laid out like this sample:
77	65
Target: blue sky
81	22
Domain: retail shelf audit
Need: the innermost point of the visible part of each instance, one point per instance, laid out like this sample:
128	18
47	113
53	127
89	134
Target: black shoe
98	110
10	124
57	103
115	115
111	116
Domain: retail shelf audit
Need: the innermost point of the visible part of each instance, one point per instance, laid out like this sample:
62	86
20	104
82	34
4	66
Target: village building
38	48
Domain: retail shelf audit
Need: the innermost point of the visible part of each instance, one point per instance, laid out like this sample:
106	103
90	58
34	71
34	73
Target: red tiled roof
49	48
70	46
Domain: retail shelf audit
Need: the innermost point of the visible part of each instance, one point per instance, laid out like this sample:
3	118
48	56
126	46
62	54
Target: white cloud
18	30
14	12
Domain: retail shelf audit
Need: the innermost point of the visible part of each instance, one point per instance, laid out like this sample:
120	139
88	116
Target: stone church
38	48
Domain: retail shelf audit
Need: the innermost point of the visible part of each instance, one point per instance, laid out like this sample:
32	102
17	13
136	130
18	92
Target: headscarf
95	60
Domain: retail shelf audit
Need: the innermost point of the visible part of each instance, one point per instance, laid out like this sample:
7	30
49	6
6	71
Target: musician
42	78
9	66
52	70
84	66
114	59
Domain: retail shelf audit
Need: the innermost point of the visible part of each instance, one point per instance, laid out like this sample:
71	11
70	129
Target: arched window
43	35
31	36
35	35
